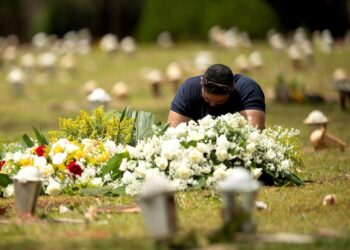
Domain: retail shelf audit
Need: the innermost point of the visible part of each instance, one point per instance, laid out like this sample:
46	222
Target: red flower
74	168
2	163
40	151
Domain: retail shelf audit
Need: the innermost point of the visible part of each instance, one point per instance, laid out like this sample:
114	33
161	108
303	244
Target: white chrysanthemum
256	173
70	147
207	122
134	188
97	182
222	142
285	165
251	147
181	130
270	154
161	162
110	147
124	165
46	170
220	173
89	145
254	136
9	191
54	188
141	169
133	152
196	135
17	156
39	162
203	147
184	172
221	153
128	177
59	158
170	149
194	155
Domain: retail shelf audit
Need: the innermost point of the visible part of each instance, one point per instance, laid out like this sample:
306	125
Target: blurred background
58	57
186	20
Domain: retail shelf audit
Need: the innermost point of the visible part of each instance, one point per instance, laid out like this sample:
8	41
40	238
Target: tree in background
185	19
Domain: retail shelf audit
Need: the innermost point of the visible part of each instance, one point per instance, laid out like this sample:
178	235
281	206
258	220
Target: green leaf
188	144
40	137
26	139
164	127
5	180
102	191
96	191
295	179
143	125
118	191
201	183
113	164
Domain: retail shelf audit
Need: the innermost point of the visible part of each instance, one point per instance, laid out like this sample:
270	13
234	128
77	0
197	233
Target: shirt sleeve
253	97
180	103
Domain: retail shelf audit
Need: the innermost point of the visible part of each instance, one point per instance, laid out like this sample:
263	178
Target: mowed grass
290	209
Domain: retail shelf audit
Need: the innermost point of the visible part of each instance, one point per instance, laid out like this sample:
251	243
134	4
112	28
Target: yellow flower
79	154
26	162
58	149
103	157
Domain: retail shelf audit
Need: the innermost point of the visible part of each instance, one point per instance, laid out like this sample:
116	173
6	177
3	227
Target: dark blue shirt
189	102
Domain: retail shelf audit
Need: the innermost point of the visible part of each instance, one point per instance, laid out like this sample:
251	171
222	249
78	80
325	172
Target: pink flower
74	168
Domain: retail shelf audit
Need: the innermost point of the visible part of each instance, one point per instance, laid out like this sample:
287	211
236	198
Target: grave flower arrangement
80	159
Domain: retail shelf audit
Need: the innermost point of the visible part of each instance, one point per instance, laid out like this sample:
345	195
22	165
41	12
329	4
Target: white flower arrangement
209	150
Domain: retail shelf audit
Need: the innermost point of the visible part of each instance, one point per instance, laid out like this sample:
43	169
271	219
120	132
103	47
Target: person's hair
218	80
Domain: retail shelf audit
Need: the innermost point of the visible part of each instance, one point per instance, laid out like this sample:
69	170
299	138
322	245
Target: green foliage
112	166
99	125
5	180
27	141
103	191
192	19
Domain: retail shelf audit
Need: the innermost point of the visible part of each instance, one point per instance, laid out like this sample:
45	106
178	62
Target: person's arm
254	117
175	118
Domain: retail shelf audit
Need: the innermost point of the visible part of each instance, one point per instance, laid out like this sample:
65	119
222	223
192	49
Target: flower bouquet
193	155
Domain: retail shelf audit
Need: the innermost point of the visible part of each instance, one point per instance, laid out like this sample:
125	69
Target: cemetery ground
290	209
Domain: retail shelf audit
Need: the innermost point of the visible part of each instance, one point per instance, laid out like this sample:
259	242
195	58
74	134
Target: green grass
290	209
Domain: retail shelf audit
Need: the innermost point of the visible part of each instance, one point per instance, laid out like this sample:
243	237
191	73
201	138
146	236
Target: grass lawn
290	209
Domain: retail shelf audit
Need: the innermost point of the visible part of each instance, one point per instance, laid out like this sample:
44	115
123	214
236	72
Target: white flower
251	147
97	182
254	136
285	165
220	173
70	147
194	155
161	162
54	188
184	172
47	170
59	158
40	162
222	142
221	154
128	177
181	130
110	147
170	149
9	191
256	173
270	154
203	147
